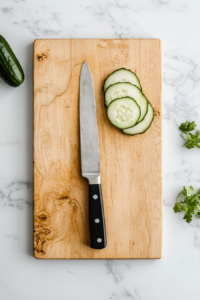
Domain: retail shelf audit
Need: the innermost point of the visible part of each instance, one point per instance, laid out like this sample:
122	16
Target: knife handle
96	216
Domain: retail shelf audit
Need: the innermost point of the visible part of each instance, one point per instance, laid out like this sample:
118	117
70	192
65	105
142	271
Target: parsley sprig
188	202
192	140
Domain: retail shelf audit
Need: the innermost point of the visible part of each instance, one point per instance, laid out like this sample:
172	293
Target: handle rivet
97	220
95	197
99	240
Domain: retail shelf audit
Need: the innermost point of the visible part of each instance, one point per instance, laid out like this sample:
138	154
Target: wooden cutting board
131	167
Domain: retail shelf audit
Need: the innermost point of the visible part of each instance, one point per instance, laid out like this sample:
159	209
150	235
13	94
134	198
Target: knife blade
90	158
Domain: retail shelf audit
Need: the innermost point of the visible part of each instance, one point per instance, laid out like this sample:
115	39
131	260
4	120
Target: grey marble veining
175	276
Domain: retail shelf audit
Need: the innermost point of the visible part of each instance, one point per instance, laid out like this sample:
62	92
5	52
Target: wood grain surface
131	167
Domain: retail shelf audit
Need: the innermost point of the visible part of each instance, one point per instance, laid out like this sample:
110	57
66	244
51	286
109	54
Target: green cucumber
10	69
121	75
144	125
124	89
123	112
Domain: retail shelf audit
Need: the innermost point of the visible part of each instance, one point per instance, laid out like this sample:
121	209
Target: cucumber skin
138	123
115	83
10	69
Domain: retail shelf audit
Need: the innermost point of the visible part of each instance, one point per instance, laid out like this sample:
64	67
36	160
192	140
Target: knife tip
85	67
84	63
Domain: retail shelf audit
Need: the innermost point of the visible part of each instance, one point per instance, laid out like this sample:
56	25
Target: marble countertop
175	276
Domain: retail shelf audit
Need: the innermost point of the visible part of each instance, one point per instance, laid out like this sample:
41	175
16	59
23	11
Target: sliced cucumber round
124	89
123	112
144	125
122	75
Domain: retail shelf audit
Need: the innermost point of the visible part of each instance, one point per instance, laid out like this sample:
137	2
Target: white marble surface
176	275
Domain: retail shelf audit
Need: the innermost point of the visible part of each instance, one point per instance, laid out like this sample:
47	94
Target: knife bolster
93	179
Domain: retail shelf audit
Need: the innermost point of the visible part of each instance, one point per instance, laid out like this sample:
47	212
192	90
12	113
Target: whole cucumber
10	69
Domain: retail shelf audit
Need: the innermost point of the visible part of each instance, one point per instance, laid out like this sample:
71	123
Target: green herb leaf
189	203
188	217
192	140
188	191
187	126
189	145
177	207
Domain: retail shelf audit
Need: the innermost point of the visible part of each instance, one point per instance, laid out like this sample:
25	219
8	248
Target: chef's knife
90	159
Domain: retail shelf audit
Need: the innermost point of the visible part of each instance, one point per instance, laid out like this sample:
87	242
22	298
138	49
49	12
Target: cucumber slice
123	112
125	89
122	75
144	125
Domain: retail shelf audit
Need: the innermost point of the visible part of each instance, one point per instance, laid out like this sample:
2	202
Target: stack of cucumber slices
127	107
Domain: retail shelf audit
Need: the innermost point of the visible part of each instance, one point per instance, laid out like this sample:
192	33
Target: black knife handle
96	215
